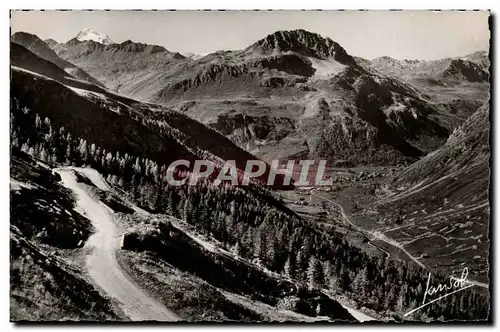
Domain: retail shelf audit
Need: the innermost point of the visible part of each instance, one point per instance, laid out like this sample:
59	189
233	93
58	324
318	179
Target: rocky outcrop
292	64
466	70
302	42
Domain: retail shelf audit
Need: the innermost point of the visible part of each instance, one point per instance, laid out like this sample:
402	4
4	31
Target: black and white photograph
250	166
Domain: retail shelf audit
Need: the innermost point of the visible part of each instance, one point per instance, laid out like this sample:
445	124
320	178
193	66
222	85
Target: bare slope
40	48
131	68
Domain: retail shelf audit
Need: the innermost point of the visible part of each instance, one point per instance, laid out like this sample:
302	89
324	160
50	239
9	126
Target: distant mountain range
291	94
472	68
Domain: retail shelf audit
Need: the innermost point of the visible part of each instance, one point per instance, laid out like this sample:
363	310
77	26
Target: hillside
42	126
130	68
457	86
444	71
144	130
43	50
444	198
480	58
211	276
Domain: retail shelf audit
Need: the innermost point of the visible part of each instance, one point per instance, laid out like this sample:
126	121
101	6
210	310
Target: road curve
374	234
382	237
101	263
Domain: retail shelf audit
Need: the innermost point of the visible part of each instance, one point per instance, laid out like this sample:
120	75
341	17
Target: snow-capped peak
89	34
195	56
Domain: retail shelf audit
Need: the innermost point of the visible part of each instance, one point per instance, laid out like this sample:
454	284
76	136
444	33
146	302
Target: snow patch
87	93
89	34
30	72
325	68
18	185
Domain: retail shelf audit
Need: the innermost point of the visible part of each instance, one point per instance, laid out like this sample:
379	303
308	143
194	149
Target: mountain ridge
299	68
43	50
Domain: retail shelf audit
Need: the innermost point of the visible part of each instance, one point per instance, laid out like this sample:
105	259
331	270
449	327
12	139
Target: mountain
42	49
51	42
194	56
301	42
90	180
457	86
89	34
297	94
86	109
133	69
445	70
272	96
283	60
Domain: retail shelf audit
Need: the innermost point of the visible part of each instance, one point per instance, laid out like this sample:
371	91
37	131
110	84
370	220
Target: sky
423	35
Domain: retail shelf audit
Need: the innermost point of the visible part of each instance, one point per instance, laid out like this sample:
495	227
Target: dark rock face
292	64
130	46
39	47
302	42
253	127
467	70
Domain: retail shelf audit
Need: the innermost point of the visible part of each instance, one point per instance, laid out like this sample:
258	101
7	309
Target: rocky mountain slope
89	34
443	71
457	86
144	130
44	51
481	58
57	124
133	69
292	94
296	94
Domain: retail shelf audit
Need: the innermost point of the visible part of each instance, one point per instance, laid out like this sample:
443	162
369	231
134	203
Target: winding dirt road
101	263
377	235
